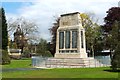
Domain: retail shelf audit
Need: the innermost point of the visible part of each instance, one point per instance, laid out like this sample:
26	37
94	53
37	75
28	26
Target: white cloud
42	11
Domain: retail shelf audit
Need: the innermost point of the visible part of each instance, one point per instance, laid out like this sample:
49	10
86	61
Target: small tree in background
42	49
92	31
53	32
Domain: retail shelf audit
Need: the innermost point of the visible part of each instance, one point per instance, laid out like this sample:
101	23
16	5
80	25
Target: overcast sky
43	11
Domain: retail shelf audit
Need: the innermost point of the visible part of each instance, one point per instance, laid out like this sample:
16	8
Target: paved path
19	69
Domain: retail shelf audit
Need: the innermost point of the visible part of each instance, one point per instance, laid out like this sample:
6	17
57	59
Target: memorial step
72	62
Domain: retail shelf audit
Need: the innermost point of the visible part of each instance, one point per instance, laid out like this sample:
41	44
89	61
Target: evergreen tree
5	57
4	30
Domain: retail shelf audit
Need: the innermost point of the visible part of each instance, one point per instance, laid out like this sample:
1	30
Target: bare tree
28	27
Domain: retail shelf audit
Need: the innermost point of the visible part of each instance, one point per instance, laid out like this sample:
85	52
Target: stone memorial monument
70	46
70	37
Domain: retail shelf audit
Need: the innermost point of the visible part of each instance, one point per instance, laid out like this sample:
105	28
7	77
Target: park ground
101	72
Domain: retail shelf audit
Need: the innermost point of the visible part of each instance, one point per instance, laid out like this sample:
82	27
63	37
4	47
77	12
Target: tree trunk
111	55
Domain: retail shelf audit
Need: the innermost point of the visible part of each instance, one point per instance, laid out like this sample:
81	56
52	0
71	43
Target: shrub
45	54
5	57
26	54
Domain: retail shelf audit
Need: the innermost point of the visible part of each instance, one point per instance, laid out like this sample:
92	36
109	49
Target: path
19	69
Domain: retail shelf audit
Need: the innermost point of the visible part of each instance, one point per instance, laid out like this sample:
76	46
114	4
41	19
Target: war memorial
70	37
70	46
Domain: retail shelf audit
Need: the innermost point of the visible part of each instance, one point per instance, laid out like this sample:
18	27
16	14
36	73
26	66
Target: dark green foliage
47	54
4	30
5	57
116	58
42	49
111	29
112	39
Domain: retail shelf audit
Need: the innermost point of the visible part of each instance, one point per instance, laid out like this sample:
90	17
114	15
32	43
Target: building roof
69	14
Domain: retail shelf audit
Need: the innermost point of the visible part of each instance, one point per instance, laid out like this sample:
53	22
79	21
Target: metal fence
50	62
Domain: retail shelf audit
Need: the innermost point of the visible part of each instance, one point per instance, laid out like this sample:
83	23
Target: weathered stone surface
70	22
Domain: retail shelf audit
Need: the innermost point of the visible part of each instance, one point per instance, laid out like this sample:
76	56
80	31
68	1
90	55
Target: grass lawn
24	63
56	73
63	73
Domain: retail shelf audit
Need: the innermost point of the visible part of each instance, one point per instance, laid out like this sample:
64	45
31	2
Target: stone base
72	63
70	55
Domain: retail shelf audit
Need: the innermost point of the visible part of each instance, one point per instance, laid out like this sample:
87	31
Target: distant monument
70	37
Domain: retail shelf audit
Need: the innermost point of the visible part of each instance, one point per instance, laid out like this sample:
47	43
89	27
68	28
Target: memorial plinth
70	41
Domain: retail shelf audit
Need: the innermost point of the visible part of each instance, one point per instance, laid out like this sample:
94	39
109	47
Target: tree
4	50
26	34
53	32
114	45
92	31
112	38
28	27
42	48
113	14
4	30
116	58
110	27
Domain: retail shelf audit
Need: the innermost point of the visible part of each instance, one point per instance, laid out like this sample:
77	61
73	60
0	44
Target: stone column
70	39
64	40
57	42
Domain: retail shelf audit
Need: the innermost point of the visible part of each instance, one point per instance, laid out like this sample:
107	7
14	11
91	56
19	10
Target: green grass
56	73
63	73
25	63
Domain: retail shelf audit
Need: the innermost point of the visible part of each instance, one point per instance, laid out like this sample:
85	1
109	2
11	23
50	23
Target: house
15	53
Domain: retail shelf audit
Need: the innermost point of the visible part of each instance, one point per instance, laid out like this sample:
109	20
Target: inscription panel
69	20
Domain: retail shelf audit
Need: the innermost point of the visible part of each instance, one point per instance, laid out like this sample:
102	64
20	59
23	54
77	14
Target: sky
44	12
